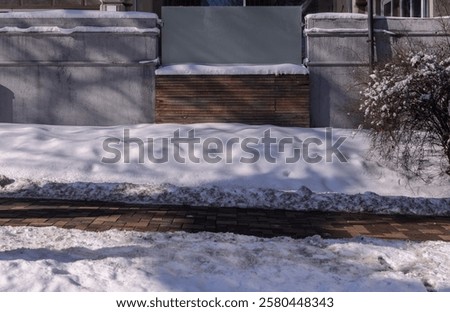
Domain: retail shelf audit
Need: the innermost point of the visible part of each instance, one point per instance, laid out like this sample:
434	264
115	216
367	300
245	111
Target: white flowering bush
407	107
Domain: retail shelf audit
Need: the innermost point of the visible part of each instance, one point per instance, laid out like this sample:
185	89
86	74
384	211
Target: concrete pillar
116	5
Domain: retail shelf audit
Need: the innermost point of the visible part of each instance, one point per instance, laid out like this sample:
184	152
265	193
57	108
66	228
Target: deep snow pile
226	165
52	259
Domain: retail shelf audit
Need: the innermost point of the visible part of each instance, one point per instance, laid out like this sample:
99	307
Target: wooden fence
253	99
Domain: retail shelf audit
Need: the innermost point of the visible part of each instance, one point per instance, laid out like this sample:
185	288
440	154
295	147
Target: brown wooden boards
254	99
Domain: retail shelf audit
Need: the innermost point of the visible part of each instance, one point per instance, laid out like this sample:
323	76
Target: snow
55	14
40	161
318	30
359	16
65	162
52	259
78	29
336	16
335	30
235	69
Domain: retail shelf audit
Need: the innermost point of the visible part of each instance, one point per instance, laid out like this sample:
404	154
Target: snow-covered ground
66	162
52	259
226	165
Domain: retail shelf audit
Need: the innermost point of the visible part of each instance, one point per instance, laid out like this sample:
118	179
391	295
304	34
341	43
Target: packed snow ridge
302	199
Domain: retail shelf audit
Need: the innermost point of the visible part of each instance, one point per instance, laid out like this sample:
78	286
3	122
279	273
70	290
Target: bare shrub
407	107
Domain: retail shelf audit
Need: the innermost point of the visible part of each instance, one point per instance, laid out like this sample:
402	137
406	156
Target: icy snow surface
65	162
235	69
77	29
52	259
38	161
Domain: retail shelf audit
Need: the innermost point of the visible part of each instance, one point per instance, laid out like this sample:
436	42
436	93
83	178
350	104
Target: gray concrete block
93	78
77	95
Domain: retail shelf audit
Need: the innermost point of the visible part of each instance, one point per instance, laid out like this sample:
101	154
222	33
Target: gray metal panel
227	35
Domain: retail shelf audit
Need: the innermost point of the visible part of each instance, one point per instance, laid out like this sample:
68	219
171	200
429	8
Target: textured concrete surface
338	59
101	77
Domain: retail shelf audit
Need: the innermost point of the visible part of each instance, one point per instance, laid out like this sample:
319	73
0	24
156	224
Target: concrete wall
338	55
91	75
224	35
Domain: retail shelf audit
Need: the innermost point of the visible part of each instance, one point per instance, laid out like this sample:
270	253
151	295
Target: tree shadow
70	255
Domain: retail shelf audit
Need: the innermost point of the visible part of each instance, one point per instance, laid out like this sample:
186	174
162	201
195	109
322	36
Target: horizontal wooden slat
253	99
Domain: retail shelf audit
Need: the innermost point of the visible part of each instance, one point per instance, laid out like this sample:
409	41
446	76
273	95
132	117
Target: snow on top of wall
336	30
412	18
336	16
360	16
77	14
77	29
236	69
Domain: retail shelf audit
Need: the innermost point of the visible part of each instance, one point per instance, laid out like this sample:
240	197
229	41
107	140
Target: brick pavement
95	216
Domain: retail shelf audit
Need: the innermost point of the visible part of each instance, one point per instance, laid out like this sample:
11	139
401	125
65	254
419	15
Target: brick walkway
259	222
